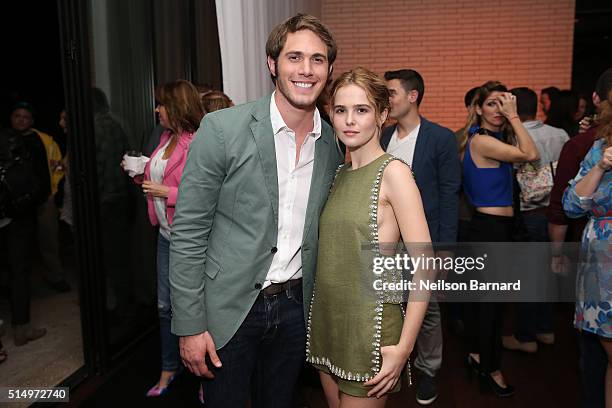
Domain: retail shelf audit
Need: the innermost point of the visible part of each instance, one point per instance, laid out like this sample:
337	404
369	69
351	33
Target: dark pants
534	318
484	320
115	247
20	238
593	364
265	356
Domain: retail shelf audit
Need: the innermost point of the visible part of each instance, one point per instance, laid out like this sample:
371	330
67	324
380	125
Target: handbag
535	183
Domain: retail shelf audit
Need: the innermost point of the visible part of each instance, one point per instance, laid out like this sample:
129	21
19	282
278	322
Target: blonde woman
361	343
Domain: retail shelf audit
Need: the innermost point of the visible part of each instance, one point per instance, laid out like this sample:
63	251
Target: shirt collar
279	124
532	124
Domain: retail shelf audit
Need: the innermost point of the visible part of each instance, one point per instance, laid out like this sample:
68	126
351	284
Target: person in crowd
546	97
583	107
455	310
67	211
467	100
152	141
111	143
215	100
494	139
373	198
564	229
47	231
245	230
431	151
534	320
19	235
203	88
562	112
590	192
180	112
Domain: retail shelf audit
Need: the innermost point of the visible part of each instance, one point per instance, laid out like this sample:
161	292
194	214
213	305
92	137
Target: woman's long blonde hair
481	95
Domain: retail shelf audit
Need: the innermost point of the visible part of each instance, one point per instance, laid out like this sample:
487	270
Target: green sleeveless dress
349	320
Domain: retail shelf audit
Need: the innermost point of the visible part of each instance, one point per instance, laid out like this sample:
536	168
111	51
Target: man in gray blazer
244	239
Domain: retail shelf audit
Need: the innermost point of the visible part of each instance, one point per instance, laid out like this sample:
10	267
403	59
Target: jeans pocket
296	295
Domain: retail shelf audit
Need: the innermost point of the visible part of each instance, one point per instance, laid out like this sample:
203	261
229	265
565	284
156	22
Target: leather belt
276	288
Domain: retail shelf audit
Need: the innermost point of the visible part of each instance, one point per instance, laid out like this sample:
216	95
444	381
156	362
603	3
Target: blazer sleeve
449	182
201	183
172	196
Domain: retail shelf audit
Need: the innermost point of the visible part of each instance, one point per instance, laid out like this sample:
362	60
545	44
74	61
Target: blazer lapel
261	127
317	183
180	150
420	148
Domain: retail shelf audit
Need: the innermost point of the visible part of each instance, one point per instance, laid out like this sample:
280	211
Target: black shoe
472	367
60	286
427	392
488	383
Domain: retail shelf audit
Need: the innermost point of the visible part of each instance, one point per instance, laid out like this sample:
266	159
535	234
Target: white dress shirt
293	191
404	148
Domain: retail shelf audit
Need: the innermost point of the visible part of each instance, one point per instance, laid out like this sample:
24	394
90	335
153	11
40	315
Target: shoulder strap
552	169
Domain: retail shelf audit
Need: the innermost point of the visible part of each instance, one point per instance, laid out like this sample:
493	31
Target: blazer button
258	286
274	250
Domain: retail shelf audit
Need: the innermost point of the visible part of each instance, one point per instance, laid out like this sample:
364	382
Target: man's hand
194	350
585	124
560	264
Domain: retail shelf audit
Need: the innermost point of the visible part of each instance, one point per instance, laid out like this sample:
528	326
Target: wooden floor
549	378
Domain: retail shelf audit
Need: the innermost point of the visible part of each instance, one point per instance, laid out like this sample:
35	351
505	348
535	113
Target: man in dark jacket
19	235
431	152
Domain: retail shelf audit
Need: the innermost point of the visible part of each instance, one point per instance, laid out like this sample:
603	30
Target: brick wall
456	44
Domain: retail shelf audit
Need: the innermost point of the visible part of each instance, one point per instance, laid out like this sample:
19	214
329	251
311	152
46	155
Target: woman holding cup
180	112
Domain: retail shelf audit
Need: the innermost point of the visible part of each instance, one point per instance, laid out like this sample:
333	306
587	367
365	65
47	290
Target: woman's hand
154	189
394	360
507	105
606	160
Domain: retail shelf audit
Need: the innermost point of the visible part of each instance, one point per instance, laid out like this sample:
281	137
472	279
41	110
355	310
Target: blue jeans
170	355
264	358
534	318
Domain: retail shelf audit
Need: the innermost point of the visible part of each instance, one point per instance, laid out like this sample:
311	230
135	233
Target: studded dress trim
380	297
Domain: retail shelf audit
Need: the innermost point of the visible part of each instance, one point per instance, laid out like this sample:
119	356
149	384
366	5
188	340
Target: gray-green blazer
226	220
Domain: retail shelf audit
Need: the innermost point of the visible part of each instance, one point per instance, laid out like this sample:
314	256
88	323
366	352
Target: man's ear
414	96
272	66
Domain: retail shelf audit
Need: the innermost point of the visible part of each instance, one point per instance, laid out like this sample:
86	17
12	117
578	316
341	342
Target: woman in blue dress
590	192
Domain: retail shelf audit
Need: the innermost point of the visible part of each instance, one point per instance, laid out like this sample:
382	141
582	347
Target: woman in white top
180	112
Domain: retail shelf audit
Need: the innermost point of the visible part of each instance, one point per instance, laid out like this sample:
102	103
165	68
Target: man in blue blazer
431	151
